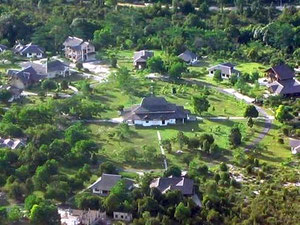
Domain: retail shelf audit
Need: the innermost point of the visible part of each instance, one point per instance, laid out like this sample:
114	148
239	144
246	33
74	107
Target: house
107	181
78	50
155	111
11	143
189	57
122	216
282	81
29	50
80	217
227	70
182	184
24	78
295	146
140	58
51	68
3	48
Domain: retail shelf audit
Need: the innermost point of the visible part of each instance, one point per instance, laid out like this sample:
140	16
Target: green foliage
44	213
251	111
218	76
200	104
5	95
49	85
182	213
235	137
282	113
173	171
155	64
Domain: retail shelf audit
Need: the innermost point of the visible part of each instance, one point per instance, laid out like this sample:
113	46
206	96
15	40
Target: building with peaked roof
282	81
182	184
24	78
29	50
78	50
80	217
3	48
51	68
155	111
140	58
11	143
227	70
295	146
189	57
107	181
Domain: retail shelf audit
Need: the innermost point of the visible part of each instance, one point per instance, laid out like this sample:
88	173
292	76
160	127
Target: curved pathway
268	118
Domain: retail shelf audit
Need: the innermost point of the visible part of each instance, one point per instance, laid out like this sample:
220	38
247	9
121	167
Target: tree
176	69
167	145
200	104
173	171
48	85
7	55
44	213
235	137
155	64
217	76
251	111
79	66
282	113
14	214
123	79
250	122
130	154
182	212
64	85
30	201
5	95
181	139
107	167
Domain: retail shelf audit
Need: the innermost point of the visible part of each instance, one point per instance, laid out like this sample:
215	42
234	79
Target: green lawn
112	147
112	97
252	67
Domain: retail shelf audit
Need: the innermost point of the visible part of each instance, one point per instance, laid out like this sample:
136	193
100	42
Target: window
147	121
163	122
122	216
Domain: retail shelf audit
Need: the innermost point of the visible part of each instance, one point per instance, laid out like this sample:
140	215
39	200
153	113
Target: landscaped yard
112	146
112	97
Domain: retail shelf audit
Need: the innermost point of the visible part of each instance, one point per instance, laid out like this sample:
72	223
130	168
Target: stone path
162	150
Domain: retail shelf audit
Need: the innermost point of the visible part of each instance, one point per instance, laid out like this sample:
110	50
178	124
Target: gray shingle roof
2	48
188	56
28	75
73	41
50	66
142	55
155	108
289	86
283	71
182	184
225	68
107	181
28	48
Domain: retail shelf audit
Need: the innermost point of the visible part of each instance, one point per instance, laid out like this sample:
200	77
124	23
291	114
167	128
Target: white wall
154	122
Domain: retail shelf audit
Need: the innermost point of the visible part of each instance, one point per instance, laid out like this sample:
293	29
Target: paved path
162	150
231	117
229	91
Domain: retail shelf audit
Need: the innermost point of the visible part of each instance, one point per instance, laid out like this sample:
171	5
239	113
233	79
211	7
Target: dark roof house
182	184
155	111
107	181
140	58
227	69
49	68
24	78
280	72
3	48
29	50
295	146
282	81
189	57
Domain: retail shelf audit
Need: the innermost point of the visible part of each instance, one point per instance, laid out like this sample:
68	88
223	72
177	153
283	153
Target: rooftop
283	71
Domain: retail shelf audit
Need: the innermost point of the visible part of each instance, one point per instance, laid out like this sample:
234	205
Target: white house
227	70
29	50
295	146
80	217
78	50
122	216
189	57
155	111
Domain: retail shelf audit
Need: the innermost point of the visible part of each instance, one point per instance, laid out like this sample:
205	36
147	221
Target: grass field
112	97
112	147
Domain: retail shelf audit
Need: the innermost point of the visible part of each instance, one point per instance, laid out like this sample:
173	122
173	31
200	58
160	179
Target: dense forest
253	31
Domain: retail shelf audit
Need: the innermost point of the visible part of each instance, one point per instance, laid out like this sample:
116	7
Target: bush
79	65
280	141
